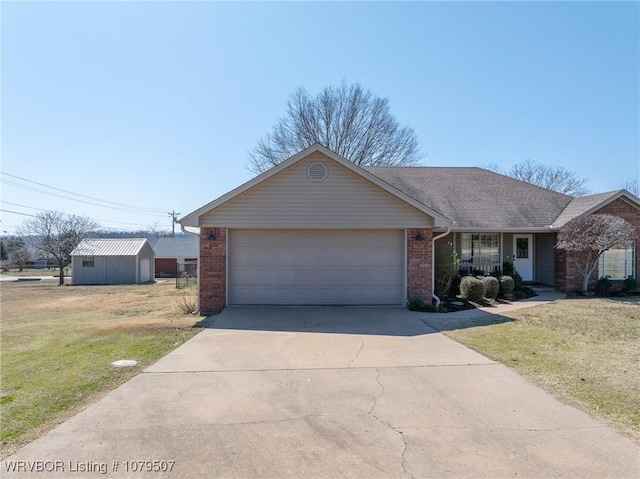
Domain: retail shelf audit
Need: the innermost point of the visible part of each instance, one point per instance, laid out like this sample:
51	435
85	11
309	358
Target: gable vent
317	171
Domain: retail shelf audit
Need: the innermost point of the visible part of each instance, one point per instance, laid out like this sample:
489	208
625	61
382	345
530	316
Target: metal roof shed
112	261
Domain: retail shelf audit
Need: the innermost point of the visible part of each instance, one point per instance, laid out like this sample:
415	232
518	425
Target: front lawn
585	352
58	343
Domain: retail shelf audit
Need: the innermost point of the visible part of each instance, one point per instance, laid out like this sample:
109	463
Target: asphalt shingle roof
473	197
176	247
581	204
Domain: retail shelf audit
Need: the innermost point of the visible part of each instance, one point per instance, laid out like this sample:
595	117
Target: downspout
433	263
198	271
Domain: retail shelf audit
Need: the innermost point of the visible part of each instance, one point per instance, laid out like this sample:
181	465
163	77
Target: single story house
171	251
318	229
112	261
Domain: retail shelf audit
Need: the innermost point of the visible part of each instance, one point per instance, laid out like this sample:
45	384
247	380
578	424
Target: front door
523	256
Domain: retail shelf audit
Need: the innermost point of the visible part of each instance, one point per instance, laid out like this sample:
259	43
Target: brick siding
419	265
568	278
213	271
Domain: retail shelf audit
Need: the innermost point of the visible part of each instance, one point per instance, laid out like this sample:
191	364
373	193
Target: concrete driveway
328	392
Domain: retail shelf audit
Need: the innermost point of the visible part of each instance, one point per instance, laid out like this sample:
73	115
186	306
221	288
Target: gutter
433	263
188	232
523	230
198	271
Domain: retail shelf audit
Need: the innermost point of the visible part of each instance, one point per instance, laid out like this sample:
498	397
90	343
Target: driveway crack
403	459
357	353
269	421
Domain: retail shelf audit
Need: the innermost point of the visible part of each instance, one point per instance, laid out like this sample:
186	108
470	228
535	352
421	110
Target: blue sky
156	105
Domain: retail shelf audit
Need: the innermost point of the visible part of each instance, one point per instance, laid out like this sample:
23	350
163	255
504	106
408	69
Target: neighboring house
170	251
317	229
112	261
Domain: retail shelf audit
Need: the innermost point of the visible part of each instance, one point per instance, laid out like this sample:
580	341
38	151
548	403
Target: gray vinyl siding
507	247
106	270
111	269
292	200
545	258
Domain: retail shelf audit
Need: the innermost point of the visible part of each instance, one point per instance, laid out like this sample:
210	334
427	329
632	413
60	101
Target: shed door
316	267
145	270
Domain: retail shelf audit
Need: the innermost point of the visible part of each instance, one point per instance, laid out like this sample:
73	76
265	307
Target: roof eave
512	229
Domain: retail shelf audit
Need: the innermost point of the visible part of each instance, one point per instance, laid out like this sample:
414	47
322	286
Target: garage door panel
316	267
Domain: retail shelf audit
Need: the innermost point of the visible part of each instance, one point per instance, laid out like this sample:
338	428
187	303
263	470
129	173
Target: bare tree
56	234
19	258
348	120
587	238
632	186
14	252
554	178
154	232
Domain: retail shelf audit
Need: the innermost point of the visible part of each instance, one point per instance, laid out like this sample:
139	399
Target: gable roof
177	247
477	198
463	198
585	205
109	247
192	219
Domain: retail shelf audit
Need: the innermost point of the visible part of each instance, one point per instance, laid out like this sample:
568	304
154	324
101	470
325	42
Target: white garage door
316	267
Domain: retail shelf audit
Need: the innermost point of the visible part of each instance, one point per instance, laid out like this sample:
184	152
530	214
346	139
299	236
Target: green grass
584	351
58	344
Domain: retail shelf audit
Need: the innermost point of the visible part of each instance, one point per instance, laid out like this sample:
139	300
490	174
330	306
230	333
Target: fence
186	274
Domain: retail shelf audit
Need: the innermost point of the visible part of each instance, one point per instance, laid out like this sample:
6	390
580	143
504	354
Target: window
480	250
522	248
88	262
618	263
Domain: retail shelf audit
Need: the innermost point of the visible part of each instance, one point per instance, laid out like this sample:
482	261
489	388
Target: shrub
446	262
509	270
528	292
491	287
186	303
507	285
417	304
454	289
603	287
630	284
472	289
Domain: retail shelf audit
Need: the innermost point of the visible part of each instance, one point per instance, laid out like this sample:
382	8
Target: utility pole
174	220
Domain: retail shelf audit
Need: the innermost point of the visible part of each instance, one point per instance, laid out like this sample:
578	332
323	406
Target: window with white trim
479	250
618	263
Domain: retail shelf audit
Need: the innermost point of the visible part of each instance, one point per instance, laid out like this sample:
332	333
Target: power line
118	206
95	219
22	206
16	213
83	196
29	188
